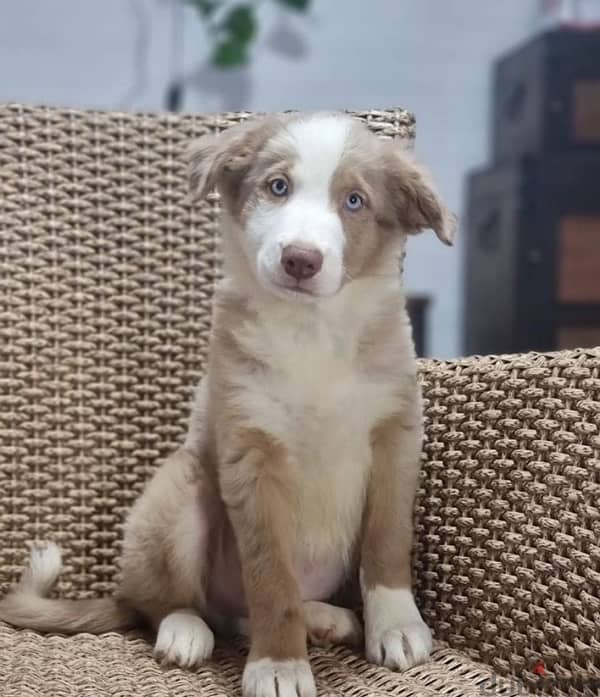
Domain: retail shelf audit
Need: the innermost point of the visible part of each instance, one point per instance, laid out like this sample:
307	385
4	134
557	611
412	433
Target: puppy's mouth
310	289
295	289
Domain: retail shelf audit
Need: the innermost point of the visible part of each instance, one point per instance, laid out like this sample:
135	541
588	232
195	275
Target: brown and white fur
301	461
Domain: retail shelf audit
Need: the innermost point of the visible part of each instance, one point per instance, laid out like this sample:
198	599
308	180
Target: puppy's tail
28	606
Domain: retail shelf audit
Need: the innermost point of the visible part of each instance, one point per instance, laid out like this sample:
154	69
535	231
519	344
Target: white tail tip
45	563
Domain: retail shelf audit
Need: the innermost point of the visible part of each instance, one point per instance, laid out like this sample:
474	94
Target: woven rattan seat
106	279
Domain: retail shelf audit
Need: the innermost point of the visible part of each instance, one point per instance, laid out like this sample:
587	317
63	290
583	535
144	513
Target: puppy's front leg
395	634
256	488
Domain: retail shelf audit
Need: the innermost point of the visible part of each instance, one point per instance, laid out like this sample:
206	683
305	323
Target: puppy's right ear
203	163
221	161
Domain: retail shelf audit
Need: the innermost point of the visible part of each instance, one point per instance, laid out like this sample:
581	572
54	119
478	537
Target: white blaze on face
307	218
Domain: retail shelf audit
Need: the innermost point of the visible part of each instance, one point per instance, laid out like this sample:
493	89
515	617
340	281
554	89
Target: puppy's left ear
416	201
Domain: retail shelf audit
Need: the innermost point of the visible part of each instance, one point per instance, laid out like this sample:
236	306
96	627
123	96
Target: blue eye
278	186
354	201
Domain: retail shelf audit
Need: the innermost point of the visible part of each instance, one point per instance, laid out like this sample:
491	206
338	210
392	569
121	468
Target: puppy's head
317	200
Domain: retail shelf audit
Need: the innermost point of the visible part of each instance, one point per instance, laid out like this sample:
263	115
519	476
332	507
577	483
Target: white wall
431	56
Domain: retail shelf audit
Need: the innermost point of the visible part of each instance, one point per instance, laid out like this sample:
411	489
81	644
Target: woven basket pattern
106	279
508	516
111	665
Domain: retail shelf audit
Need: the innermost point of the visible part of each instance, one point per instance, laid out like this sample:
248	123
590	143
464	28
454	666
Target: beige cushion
123	666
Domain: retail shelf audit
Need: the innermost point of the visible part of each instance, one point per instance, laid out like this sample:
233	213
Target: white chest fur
317	398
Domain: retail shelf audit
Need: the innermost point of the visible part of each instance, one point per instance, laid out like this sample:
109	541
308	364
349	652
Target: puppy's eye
278	186
354	201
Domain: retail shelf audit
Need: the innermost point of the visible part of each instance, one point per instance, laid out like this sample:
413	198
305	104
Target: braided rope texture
86	666
507	556
106	280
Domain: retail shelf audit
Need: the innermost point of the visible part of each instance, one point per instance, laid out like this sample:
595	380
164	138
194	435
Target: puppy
301	461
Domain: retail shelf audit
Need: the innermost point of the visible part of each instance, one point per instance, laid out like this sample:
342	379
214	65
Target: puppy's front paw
184	639
269	678
401	646
395	634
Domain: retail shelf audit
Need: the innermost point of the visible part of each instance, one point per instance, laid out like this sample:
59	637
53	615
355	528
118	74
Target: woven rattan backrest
106	280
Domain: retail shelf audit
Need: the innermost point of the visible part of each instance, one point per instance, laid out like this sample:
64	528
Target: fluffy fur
302	454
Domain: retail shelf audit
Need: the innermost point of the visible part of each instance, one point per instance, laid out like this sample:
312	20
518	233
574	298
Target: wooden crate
533	255
546	96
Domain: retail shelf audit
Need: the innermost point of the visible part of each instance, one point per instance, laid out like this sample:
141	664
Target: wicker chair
106	277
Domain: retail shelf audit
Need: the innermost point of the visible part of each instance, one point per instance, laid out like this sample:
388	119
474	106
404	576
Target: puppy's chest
314	396
314	392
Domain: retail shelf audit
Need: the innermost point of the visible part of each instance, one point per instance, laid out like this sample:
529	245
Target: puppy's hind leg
183	639
165	560
327	624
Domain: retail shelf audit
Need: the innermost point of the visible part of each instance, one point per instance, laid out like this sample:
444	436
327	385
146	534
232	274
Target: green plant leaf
240	23
230	53
299	5
205	7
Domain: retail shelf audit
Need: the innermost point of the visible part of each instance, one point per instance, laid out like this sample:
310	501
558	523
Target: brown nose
301	263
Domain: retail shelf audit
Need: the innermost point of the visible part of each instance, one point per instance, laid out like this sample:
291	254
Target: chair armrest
507	550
